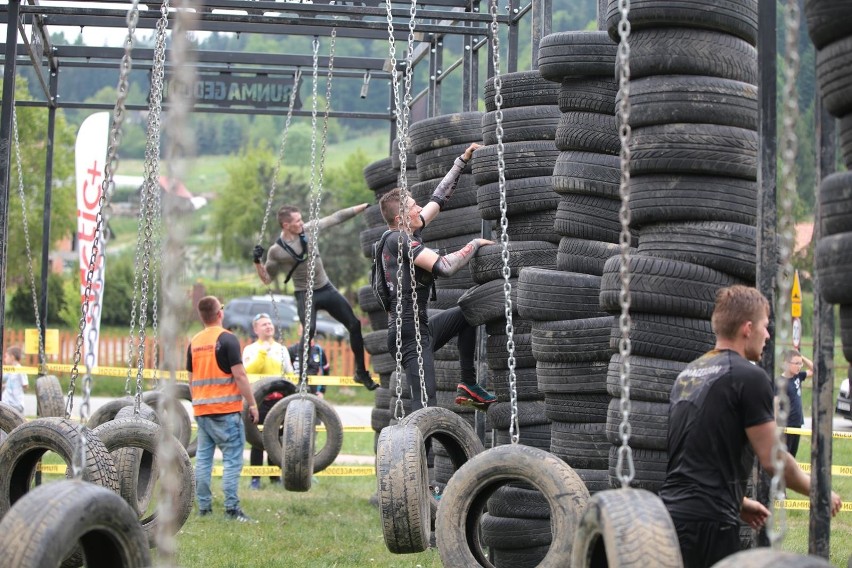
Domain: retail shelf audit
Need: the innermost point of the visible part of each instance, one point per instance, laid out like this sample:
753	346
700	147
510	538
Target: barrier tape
321	428
255	470
804	505
316	380
804	432
838	470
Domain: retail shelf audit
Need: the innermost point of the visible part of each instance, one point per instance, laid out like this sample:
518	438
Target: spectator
14	384
317	362
793	362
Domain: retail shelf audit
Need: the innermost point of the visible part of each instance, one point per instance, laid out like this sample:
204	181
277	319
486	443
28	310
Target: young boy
14	384
793	362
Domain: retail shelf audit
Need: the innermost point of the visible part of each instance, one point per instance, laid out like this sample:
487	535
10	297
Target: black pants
434	334
329	299
793	443
703	543
256	454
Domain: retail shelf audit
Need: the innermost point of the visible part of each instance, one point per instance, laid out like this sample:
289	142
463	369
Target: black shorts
703	543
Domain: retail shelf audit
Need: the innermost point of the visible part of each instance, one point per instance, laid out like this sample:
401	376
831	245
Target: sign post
796	310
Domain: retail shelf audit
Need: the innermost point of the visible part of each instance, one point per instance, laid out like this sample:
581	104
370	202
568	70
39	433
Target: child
14	384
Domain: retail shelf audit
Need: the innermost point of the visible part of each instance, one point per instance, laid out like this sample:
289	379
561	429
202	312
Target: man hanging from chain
288	255
434	333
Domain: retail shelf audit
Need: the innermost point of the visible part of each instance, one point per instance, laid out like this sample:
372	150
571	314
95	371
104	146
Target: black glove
257	254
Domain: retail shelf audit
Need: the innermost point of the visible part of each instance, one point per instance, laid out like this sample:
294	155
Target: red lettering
91	204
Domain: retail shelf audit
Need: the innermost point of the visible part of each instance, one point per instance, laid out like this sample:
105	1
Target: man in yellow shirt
265	357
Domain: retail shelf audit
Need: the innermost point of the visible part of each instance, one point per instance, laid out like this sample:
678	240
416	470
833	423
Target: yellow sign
796	297
51	341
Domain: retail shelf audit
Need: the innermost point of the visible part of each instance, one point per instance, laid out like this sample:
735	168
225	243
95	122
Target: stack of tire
693	113
830	27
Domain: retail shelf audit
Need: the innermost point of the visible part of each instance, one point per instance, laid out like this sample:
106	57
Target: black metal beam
48	201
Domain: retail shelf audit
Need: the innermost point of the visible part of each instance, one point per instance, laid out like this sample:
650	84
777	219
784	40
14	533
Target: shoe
255	483
475	396
238	515
364	378
204	512
275	481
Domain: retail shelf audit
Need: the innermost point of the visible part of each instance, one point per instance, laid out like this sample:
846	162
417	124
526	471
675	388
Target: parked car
844	400
240	314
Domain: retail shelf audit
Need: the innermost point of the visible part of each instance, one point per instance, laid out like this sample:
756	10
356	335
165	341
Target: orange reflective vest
213	390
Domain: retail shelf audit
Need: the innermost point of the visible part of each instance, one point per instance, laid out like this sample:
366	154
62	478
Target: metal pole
439	69
767	254
602	7
512	64
48	196
5	147
433	76
823	386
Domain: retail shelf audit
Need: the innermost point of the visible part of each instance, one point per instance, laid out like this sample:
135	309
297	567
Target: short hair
208	309
736	305
788	354
16	352
285	212
389	204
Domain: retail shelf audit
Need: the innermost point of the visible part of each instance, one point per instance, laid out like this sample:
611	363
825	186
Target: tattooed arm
449	264
338	217
445	189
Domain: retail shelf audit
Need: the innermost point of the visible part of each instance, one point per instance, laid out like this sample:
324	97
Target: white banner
90	156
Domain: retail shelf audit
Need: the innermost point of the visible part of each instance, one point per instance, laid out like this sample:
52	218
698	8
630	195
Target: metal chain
42	357
777	525
94	273
316	200
625	453
514	423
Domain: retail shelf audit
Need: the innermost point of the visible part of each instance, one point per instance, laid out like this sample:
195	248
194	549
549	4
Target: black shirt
228	352
712	403
424	278
796	416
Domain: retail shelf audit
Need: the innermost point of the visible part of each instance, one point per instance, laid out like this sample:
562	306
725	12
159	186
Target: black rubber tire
183	392
530	413
138	433
650	379
463	196
49	398
626	527
396	161
587	173
297	441
10	418
667	337
325	413
379	418
548	295
835	81
367	300
452	223
585	256
662	198
663	286
649	424
582	377
519	558
588	132
580	445
60	520
835	202
833	265
726	247
526	384
518	501
588	217
380	173
437	162
522	160
576	407
497	356
650	467
26	444
368	237
570	341
521	124
535	436
671	99
736	17
845	330
445	130
456	437
383	363
447	374
589	94
108	411
403	486
136	468
487	264
768	558
486	303
536	226
694	149
509	533
683	51
468	491
375	342
525	195
596	480
522	88
828	20
172	413
498	327
845	128
576	54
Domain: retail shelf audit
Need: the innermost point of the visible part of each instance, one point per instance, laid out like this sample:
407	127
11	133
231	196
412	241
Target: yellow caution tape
256	470
804	432
838	470
321	428
804	505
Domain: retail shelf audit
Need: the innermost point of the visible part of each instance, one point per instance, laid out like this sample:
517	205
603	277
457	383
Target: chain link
776	528
403	112
625	453
42	358
316	200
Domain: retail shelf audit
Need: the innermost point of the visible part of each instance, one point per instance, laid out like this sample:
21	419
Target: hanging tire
767	558
144	435
10	418
548	295
623	528
835	81
587	173
260	390
519	89
589	94
25	446
467	493
106	412
48	525
403	485
183	392
573	54
136	468
835	201
326	414
49	398
297	452
170	411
